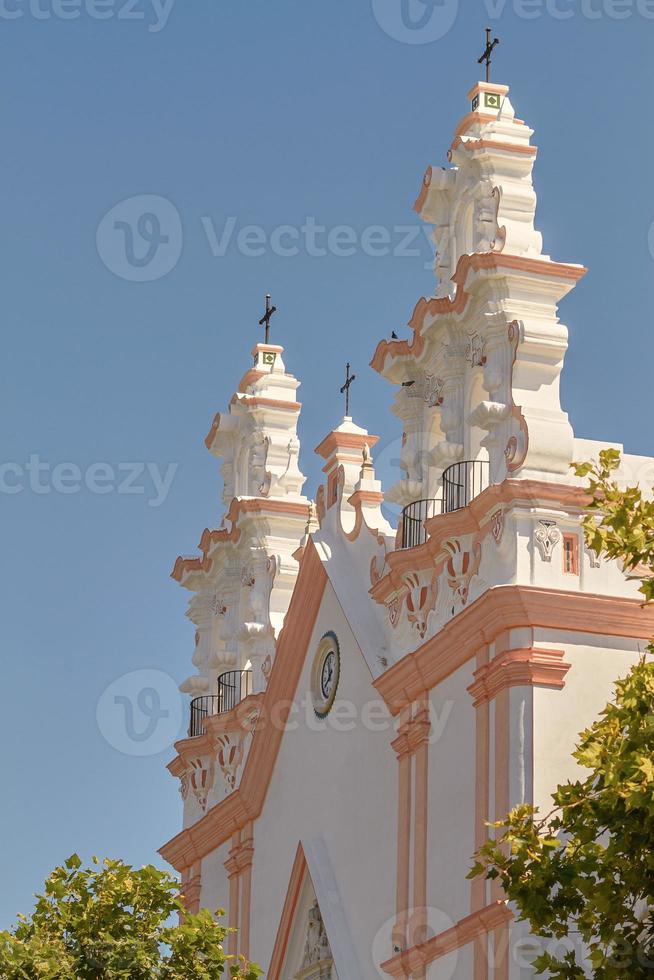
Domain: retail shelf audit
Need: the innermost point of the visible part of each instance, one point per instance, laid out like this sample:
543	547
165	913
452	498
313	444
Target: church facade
365	698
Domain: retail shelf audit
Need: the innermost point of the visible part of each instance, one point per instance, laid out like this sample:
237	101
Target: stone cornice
497	610
519	668
414	960
501	262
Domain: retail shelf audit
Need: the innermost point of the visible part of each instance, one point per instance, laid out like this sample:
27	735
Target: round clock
326	672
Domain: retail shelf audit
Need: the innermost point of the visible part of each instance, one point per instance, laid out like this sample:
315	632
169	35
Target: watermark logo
38	476
418	926
425	21
140	239
154	13
416	21
141	713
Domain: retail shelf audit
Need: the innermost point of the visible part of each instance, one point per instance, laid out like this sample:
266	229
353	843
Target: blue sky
267	114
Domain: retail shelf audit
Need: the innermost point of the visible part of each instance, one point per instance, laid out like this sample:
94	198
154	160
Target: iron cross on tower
267	316
486	56
345	390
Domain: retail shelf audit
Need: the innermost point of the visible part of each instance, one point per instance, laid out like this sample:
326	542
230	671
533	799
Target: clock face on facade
326	673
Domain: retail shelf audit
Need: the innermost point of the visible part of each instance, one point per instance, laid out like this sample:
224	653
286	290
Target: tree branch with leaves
584	873
113	922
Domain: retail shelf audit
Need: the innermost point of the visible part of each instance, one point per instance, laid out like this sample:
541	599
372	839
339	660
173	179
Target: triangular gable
302	947
312	883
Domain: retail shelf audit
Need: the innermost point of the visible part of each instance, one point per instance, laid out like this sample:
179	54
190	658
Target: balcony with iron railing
233	687
462	482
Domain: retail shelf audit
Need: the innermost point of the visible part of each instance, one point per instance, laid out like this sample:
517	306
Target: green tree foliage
584	873
113	922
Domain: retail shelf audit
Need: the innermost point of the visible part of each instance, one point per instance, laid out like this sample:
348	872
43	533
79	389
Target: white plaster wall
337	792
451	795
559	716
458	965
215	884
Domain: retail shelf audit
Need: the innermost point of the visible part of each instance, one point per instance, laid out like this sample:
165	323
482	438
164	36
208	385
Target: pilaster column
403	751
244	862
233	873
412	749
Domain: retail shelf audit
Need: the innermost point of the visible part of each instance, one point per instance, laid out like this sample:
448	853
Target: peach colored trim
492	87
571	554
482	144
249	378
357	500
465	931
258	401
482	733
298	875
211	435
238	719
517	668
336	441
501	608
242	718
231	866
261	505
418	927
246	802
403	749
476	261
424	190
216	536
475	518
502	804
475	119
366	497
336	458
192	888
332	488
184	564
209	537
244	859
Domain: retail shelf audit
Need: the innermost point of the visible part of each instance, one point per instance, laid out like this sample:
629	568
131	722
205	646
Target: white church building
364	698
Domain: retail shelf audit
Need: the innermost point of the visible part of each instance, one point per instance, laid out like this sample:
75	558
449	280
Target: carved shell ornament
184	784
420	601
230	756
497	526
202	779
546	538
461	567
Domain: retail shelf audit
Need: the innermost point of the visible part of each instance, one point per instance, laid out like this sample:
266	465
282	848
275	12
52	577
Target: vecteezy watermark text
154	13
37	476
426	21
315	240
140	239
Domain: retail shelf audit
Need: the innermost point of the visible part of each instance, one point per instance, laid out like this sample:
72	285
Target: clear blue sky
266	113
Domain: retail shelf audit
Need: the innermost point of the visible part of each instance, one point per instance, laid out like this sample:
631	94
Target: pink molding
415	959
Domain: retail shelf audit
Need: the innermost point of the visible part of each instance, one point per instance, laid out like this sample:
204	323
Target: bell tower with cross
345	450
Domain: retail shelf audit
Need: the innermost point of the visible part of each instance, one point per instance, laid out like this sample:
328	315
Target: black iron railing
233	686
463	481
413	521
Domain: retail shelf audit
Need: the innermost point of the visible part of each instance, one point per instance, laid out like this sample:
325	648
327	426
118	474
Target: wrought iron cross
486	56
267	316
345	390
